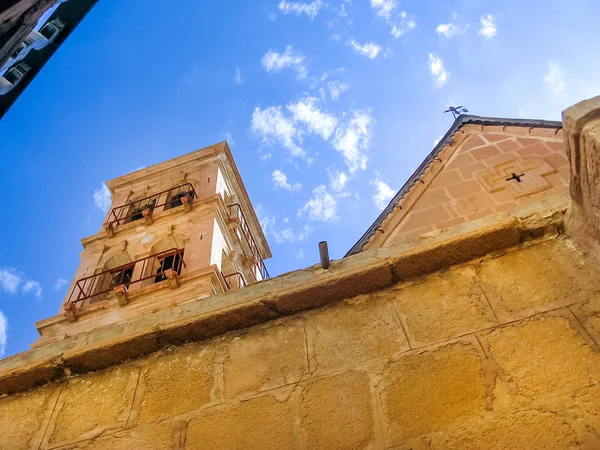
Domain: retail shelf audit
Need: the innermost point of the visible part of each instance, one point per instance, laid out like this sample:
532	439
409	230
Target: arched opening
176	201
136	210
169	251
116	270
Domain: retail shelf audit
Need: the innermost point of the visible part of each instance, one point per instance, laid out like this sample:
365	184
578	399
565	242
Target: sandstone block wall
500	352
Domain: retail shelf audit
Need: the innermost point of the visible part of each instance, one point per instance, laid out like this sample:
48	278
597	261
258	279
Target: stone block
22	418
176	382
150	437
444	305
544	356
337	413
261	423
355	332
587	407
265	359
94	403
588	313
524	430
538	278
426	392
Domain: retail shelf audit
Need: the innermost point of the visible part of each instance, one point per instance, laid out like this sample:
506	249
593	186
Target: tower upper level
177	231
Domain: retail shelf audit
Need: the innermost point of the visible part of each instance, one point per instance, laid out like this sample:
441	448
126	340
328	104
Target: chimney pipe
324	253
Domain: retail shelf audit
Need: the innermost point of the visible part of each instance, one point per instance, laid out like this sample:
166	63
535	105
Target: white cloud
317	121
229	138
3	327
449	29
488	26
280	180
321	207
384	8
437	69
332	72
353	138
310	9
337	181
336	88
237	79
273	61
33	286
555	78
400	23
403	24
383	195
368	49
10	280
289	235
267	221
102	198
271	125
60	282
13	281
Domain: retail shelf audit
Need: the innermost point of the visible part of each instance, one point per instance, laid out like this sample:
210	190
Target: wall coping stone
281	296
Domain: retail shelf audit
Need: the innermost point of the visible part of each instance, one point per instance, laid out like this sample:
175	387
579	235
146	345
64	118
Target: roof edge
460	121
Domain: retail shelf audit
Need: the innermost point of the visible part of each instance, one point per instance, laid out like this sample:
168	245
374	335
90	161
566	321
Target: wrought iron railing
134	210
234	280
155	266
235	213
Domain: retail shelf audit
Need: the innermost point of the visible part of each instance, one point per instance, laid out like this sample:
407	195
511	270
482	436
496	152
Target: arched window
176	201
173	261
136	211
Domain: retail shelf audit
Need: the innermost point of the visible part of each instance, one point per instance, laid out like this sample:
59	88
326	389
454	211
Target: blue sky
328	107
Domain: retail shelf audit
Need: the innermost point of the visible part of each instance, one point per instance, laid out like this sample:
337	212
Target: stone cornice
281	296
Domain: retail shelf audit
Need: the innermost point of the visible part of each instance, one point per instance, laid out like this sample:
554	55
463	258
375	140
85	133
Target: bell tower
178	231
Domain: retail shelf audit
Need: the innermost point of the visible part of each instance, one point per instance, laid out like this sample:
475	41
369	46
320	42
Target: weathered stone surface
337	412
265	359
429	391
587	408
177	382
544	356
262	423
153	437
444	305
21	418
588	314
355	332
582	139
537	279
525	430
91	404
328	289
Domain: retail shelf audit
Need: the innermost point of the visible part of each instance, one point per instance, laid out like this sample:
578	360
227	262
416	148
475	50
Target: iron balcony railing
234	280
235	213
155	266
134	210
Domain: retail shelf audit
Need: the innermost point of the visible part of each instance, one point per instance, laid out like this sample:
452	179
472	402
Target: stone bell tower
177	231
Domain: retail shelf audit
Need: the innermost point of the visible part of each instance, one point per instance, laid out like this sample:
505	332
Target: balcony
234	281
237	218
144	208
145	271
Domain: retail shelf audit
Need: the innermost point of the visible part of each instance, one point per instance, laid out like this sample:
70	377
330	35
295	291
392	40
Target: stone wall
498	352
470	178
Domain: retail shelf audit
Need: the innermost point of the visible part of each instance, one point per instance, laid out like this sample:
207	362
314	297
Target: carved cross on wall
528	174
516	177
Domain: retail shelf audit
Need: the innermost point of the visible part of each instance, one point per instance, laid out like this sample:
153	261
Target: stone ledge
284	295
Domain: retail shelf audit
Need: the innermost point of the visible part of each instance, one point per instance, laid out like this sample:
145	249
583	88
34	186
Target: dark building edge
37	61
